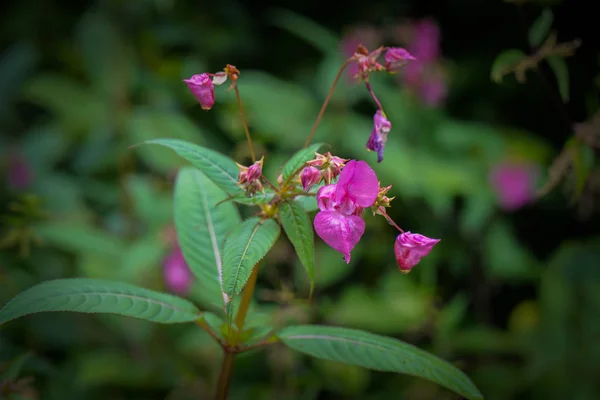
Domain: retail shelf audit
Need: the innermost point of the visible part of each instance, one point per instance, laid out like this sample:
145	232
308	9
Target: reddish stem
239	101
372	93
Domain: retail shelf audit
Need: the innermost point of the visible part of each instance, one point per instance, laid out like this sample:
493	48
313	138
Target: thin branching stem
245	122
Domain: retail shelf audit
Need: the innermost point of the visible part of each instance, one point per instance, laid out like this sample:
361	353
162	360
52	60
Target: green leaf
202	227
217	167
540	28
80	238
376	352
583	162
299	159
247	244
313	33
299	230
100	296
146	125
561	72
258	198
505	63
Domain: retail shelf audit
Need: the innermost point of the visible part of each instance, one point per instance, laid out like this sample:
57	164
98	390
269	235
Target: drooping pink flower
410	248
381	128
177	275
202	87
309	177
339	223
396	58
514	183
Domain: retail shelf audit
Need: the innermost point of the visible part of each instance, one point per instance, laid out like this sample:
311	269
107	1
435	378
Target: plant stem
243	114
231	348
375	99
326	102
225	376
389	219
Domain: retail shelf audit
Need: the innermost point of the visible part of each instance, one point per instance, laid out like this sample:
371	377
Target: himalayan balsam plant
224	253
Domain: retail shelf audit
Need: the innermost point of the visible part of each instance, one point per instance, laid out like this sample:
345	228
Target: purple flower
19	174
410	248
201	86
309	177
397	57
426	41
381	128
339	223
514	184
177	275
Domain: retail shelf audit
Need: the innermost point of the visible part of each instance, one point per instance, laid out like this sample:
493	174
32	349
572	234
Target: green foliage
376	352
561	73
202	227
299	159
505	62
245	246
217	167
540	28
99	296
299	230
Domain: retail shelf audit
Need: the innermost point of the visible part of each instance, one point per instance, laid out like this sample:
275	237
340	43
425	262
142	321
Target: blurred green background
511	295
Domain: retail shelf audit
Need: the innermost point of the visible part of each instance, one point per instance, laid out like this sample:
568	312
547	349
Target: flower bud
410	248
202	88
396	58
255	170
309	177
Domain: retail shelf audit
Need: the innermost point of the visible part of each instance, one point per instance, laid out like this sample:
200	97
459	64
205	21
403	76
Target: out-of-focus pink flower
425	44
381	128
202	87
514	184
309	177
177	275
19	175
339	223
397	57
410	248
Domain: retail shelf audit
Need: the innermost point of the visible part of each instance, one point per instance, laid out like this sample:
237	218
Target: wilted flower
397	57
202	87
381	128
410	248
309	177
178	277
338	223
514	184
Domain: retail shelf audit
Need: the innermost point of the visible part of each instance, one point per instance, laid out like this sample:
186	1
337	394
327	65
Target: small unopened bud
309	177
255	170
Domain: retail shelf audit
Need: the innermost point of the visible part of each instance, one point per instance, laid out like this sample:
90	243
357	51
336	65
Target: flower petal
410	248
339	231
359	183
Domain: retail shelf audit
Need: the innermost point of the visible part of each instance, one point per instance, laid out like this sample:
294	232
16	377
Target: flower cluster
249	177
340	220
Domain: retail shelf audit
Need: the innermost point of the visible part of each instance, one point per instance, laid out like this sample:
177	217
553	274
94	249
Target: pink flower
514	184
19	174
410	248
339	223
425	44
201	86
397	57
309	177
381	128
177	275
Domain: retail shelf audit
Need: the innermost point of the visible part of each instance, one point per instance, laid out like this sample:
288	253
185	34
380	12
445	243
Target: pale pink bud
254	171
309	177
202	88
410	248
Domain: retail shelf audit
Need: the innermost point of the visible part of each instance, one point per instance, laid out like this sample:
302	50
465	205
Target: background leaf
561	72
244	247
298	229
201	228
100	296
540	28
377	352
217	167
505	62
